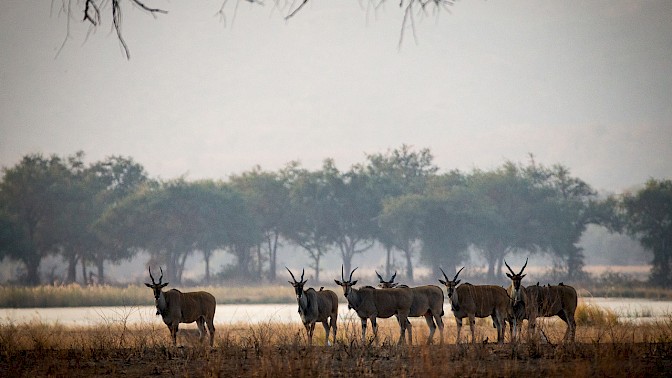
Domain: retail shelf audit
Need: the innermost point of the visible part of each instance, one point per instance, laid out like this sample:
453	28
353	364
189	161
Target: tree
397	172
267	195
355	208
311	216
112	180
506	205
31	198
401	219
649	220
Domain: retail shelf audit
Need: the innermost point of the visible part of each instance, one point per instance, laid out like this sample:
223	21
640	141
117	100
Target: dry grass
133	295
271	349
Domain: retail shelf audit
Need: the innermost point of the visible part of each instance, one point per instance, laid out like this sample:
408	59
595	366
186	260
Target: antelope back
428	298
482	299
196	304
328	302
390	302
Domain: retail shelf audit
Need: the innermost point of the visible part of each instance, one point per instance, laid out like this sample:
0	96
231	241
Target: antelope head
450	284
515	281
387	284
298	285
346	285
156	286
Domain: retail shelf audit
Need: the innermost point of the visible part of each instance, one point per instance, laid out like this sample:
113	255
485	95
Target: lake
626	309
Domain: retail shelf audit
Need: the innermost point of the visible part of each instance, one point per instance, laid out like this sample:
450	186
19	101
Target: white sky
587	84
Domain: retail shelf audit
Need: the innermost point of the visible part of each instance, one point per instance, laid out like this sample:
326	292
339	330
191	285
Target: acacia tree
31	195
402	171
649	220
506	204
112	180
267	195
401	219
311	218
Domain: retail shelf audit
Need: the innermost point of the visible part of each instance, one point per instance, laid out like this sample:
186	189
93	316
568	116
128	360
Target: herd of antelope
512	305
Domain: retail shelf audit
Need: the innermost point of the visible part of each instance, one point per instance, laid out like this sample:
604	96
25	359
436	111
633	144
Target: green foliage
649	219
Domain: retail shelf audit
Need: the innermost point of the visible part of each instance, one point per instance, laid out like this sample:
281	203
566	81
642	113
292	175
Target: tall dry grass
133	295
270	349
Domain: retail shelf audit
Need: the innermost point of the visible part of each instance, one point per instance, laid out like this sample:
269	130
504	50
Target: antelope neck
161	303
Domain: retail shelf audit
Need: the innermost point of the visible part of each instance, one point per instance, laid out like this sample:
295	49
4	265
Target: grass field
604	347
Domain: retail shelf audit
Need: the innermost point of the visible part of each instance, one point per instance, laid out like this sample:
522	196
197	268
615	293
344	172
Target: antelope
315	306
427	302
474	301
371	303
542	301
518	298
176	307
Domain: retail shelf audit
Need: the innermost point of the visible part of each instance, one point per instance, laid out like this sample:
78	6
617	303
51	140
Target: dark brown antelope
477	301
371	303
544	301
427	302
316	306
176	307
519	301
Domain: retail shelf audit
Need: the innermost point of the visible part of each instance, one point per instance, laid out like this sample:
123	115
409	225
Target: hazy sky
587	84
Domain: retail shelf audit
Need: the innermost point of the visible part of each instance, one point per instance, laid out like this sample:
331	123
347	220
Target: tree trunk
409	266
32	272
85	279
272	257
206	257
388	266
72	269
101	272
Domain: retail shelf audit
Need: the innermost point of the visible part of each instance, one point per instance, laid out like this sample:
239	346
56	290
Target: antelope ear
508	275
354	282
443	282
523	275
148	285
457	282
164	285
339	283
291	283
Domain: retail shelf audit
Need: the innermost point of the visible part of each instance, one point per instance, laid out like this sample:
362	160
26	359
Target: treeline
110	210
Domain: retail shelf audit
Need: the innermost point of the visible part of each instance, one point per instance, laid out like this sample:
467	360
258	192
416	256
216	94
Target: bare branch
296	10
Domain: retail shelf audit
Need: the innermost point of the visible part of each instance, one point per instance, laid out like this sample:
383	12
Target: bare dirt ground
464	360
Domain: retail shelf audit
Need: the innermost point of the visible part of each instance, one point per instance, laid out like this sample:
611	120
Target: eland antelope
477	301
176	307
315	306
536	301
371	303
427	302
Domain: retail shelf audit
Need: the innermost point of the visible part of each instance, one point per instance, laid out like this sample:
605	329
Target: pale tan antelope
371	303
176	307
427	302
518	299
477	301
543	301
316	306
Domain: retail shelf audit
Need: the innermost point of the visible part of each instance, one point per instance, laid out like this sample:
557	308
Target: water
626	309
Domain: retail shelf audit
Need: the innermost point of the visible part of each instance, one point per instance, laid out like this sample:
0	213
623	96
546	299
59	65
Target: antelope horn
342	276
150	275
290	273
394	275
380	278
353	271
521	271
302	272
511	270
161	278
444	275
457	274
